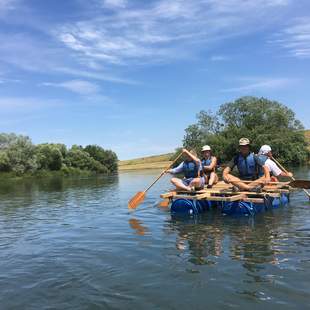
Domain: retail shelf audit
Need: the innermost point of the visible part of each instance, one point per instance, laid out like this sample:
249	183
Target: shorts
189	180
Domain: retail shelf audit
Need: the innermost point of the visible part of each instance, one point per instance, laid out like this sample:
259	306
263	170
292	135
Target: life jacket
261	160
190	169
247	166
205	162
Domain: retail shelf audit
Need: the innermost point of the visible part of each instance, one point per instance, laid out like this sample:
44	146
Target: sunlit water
72	244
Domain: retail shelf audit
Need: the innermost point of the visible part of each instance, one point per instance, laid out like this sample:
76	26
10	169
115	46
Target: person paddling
209	163
264	156
247	164
191	169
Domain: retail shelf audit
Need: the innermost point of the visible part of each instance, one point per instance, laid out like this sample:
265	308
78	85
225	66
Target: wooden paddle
296	183
139	197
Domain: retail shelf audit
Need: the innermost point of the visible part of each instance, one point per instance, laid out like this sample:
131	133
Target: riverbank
67	172
149	162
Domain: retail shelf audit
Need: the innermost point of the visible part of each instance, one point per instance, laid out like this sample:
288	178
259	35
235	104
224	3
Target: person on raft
265	157
209	163
191	168
248	165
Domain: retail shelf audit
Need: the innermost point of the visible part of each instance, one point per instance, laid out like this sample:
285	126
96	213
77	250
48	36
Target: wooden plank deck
223	192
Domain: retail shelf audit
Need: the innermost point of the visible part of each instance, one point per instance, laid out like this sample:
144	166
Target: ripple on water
73	244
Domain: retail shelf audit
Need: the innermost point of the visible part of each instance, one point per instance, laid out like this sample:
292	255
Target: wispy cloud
163	30
219	58
295	38
77	86
25	104
114	3
6	5
260	84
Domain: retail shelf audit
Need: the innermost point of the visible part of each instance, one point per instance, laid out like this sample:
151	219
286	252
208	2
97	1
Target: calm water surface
72	244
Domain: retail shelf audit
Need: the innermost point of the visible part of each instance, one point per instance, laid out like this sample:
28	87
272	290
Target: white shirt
272	166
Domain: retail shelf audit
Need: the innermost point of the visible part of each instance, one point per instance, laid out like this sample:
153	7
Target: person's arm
266	174
288	174
177	169
212	166
276	171
193	157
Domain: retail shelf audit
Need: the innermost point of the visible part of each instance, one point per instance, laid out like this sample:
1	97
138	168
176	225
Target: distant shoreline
149	162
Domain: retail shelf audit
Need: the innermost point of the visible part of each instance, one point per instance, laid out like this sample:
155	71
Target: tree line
261	120
18	155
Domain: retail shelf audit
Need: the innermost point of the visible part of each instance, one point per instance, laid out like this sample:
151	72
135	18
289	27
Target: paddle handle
282	167
164	172
308	194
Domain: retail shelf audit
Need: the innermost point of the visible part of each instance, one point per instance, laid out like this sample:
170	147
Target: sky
131	75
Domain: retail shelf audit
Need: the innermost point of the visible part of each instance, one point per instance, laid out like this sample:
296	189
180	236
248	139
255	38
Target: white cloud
77	86
219	58
6	5
115	3
260	84
25	104
295	38
164	30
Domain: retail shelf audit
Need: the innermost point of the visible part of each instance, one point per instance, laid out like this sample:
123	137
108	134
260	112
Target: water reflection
137	226
254	242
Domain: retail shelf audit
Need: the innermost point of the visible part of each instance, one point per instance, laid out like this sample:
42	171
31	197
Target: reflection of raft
233	203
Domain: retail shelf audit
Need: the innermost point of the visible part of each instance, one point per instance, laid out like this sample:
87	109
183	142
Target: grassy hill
150	162
161	161
307	135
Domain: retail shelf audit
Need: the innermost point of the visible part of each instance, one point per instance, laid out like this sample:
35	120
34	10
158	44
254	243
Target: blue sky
130	75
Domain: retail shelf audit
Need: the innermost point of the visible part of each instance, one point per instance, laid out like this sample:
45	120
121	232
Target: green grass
307	135
150	162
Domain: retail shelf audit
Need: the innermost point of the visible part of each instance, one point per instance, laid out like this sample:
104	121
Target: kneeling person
248	165
191	168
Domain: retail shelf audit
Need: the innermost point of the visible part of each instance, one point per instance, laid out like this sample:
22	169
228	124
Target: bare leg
213	179
237	182
196	183
179	184
260	181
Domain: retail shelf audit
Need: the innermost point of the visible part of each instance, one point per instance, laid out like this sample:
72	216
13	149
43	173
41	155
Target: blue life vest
247	166
190	169
205	162
261	159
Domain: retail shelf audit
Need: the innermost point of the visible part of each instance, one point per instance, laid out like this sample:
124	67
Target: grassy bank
150	162
68	172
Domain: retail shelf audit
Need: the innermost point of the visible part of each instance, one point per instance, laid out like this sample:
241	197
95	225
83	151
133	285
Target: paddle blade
136	200
300	184
164	203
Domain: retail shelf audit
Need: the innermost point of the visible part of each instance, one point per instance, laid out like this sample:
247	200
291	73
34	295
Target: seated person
191	168
247	164
264	156
209	164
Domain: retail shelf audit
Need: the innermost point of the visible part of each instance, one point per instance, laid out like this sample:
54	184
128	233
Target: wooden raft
223	192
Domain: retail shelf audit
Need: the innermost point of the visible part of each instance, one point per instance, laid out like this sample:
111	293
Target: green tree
105	157
259	119
50	156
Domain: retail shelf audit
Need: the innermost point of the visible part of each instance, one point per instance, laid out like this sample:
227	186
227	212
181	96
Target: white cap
264	150
206	148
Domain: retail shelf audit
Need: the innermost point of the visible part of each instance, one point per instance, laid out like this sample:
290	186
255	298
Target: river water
72	244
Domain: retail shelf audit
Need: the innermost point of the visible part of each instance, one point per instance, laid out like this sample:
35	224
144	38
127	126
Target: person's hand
184	150
267	181
290	174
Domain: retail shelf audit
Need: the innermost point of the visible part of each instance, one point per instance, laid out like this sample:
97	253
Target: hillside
307	135
150	162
